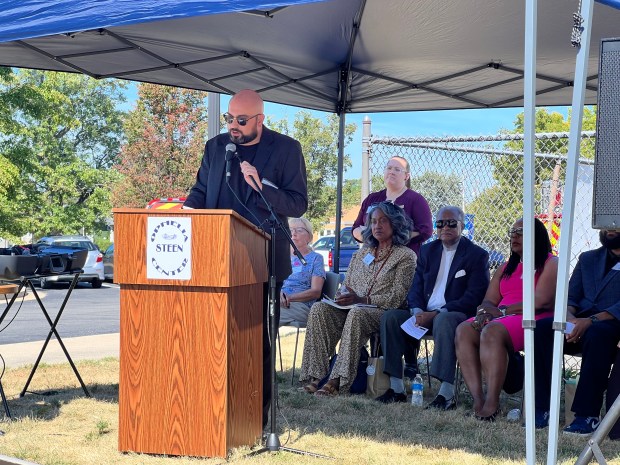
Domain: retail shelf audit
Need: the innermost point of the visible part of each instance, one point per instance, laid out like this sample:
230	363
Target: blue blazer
278	159
590	290
464	293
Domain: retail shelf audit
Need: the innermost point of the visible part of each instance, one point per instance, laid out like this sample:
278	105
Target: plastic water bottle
514	415
417	391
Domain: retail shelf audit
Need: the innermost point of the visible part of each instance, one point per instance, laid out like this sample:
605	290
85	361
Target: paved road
88	312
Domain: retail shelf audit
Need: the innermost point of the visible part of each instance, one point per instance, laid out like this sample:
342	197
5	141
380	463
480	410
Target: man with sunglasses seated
450	281
260	159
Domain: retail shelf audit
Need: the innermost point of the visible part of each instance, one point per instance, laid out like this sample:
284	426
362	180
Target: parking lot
88	312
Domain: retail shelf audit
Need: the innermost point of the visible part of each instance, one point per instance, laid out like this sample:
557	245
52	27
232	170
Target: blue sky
402	124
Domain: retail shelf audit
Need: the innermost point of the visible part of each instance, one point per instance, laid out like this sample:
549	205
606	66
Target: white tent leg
529	111
566	236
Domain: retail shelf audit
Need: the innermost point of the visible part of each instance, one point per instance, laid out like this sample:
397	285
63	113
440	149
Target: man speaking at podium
250	157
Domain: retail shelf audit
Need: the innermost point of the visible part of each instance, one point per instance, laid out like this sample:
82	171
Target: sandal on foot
327	390
310	388
490	418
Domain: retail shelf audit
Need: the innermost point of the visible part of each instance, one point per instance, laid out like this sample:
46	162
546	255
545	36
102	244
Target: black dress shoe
441	403
390	397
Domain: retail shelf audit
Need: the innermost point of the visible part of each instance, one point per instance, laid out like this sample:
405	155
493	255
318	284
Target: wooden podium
190	348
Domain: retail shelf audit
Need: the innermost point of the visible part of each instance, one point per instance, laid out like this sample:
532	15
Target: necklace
382	253
377	260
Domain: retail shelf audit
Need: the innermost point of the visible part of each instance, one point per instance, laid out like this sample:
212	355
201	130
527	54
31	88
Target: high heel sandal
310	388
489	418
328	390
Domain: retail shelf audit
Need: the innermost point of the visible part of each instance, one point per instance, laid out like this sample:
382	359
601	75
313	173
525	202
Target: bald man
276	164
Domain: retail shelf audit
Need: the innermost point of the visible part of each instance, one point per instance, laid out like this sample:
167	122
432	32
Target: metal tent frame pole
561	297
529	323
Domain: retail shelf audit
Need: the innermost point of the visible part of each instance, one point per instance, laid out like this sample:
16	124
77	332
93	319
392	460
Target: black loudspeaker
606	202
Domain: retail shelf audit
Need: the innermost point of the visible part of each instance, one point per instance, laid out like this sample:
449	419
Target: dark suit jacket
279	160
463	294
590	290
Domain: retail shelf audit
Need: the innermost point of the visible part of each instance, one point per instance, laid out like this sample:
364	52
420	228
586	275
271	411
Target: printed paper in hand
331	302
569	327
410	328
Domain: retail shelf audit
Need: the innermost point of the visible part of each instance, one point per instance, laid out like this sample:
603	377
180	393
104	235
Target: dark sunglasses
241	120
449	223
517	231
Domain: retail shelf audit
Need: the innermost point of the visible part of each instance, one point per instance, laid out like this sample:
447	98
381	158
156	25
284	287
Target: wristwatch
594	318
502	308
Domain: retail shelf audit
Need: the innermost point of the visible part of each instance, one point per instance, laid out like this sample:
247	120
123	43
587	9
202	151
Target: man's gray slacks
394	342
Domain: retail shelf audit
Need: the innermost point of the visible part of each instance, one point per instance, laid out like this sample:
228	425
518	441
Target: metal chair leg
428	365
295	358
280	351
457	382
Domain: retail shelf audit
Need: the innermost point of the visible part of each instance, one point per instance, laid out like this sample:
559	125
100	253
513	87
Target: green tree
319	142
165	139
439	189
62	135
351	193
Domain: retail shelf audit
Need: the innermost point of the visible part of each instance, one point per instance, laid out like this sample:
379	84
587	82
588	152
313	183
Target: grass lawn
65	428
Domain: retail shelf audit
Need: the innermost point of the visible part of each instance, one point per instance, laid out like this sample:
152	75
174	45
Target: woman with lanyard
378	277
397	190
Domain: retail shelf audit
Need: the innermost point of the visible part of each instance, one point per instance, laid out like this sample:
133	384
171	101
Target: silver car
108	263
93	268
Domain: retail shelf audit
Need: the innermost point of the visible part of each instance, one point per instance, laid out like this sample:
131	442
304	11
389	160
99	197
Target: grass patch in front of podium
66	428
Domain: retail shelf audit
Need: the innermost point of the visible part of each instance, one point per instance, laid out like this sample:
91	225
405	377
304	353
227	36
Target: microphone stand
272	443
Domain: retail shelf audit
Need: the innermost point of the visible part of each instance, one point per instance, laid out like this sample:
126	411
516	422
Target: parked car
93	268
108	263
348	246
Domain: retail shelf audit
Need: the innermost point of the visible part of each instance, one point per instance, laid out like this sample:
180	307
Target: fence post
366	133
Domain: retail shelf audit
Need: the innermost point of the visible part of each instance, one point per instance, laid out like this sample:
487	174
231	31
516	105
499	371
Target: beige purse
378	382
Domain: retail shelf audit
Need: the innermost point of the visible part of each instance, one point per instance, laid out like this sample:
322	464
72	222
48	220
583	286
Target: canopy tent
336	56
341	56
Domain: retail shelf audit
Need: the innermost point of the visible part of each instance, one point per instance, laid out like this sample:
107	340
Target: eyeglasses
299	230
396	169
241	120
449	223
517	231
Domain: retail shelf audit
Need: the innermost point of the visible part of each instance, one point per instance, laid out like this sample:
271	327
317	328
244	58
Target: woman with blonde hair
397	178
303	287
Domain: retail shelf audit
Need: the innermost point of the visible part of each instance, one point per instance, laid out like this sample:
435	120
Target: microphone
230	153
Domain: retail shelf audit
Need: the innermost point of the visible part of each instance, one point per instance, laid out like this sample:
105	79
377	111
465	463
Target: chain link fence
484	176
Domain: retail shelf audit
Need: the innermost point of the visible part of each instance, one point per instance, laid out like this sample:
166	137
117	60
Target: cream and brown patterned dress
387	281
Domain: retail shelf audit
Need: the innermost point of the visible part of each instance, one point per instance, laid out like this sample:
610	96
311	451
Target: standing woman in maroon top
398	190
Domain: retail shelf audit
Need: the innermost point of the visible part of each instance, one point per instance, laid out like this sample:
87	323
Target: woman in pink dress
484	343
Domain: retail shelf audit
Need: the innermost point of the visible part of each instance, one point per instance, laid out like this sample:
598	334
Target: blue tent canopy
28	19
351	56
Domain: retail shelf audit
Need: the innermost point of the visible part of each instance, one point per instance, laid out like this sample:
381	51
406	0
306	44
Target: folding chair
427	337
332	280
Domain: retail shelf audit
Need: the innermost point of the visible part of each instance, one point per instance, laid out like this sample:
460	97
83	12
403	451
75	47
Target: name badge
368	259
